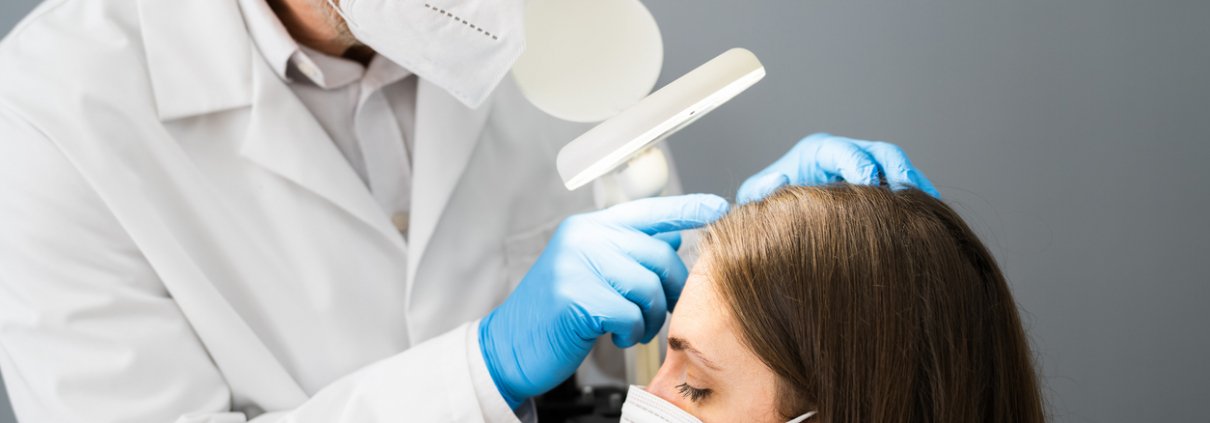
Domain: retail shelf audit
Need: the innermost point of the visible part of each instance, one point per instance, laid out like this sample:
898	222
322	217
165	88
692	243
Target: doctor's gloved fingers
760	186
666	214
673	239
638	285
897	168
620	318
661	260
825	158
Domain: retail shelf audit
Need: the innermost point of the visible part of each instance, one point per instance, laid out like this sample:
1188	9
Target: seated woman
843	304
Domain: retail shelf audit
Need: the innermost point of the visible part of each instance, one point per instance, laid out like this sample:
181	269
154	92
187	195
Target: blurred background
1074	135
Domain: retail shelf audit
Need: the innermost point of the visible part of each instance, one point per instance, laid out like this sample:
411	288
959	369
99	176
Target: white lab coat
181	241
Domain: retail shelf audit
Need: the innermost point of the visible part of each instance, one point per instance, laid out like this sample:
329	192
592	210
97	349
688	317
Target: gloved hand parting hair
602	272
824	158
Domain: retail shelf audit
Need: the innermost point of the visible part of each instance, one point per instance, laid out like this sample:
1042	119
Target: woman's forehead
698	300
704	320
700	315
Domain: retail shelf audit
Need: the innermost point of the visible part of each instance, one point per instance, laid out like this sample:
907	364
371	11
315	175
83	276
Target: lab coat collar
198	56
446	134
270	35
285	138
202	60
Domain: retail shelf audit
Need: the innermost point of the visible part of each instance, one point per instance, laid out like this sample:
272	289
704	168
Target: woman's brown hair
873	305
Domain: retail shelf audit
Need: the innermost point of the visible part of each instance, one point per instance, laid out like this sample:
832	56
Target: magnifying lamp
620	157
594	60
623	144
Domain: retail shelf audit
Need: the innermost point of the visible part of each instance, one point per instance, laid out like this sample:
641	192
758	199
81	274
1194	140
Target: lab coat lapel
446	134
197	56
285	138
198	60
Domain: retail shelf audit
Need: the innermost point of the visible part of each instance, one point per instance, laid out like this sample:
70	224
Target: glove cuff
486	347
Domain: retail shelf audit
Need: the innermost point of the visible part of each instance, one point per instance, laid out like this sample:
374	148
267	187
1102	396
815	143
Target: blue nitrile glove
602	272
823	158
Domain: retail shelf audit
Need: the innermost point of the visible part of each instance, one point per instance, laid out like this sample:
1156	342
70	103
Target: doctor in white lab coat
204	221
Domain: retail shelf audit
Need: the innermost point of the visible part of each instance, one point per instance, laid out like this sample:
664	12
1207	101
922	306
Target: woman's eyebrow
679	344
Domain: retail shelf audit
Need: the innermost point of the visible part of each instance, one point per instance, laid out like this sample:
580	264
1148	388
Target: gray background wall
1072	134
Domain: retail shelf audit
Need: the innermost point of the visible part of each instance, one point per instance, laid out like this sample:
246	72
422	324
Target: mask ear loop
802	417
342	14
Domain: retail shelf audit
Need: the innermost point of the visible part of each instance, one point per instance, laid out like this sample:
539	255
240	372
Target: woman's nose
666	379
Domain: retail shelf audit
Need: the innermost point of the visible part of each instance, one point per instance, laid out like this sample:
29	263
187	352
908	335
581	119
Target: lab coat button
309	69
400	220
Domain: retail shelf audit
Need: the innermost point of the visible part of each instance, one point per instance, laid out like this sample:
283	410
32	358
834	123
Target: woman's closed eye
692	393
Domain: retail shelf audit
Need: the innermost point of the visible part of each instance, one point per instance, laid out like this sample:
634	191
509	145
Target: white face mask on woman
645	407
465	47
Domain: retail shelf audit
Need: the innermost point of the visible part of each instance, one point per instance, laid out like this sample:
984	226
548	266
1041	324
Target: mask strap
342	14
802	417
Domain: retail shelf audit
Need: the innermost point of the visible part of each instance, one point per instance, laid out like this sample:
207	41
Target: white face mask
645	407
465	47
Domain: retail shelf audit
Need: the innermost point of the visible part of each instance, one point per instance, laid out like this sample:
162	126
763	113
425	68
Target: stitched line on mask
456	18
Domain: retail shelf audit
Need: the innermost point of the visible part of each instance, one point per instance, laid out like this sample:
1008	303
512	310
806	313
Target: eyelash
693	394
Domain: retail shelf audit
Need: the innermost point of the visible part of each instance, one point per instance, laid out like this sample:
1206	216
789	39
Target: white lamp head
614	142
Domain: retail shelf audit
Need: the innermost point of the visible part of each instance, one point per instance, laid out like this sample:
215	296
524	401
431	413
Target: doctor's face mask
465	47
644	407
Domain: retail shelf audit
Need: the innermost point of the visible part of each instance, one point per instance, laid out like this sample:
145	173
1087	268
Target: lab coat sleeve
89	334
87	331
441	380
